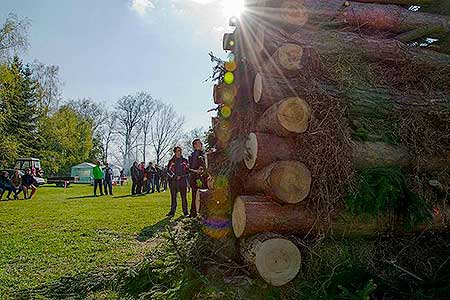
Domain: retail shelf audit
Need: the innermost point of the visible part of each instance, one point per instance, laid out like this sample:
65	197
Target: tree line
35	120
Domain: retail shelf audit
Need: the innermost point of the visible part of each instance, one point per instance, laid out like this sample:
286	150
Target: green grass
66	233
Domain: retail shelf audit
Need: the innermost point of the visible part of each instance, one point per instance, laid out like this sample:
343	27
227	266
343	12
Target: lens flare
233	8
228	78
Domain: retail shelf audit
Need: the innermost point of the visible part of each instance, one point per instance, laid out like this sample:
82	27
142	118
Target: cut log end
238	217
289	56
257	88
251	151
276	259
290	181
294	114
294	12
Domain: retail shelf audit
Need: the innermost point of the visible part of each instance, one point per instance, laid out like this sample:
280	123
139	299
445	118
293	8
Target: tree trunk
331	43
255	214
203	197
263	149
285	118
216	161
276	259
392	18
285	181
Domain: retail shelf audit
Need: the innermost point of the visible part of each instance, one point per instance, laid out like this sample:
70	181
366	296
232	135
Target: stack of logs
274	47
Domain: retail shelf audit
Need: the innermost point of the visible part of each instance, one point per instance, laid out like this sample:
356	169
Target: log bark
367	155
203	197
284	181
215	161
275	258
224	93
285	118
255	214
263	149
337	13
222	131
332	43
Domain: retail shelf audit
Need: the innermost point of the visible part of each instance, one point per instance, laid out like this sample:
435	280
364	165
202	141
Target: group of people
103	179
17	184
147	179
184	172
180	174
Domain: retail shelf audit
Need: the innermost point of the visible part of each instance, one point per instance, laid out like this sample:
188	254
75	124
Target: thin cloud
142	6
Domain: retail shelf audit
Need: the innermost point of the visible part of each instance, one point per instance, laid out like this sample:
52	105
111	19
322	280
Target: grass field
66	233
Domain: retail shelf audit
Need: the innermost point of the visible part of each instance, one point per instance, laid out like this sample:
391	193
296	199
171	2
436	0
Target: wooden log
275	258
222	131
224	93
285	118
215	161
333	43
263	149
337	13
229	42
255	214
285	181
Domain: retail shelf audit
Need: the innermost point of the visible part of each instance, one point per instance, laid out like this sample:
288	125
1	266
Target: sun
233	8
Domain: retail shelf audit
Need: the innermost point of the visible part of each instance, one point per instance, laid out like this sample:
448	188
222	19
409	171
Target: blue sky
110	48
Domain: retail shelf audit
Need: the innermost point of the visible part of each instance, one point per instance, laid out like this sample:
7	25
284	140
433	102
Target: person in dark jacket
141	178
28	182
134	171
108	180
17	182
164	179
197	166
7	186
150	175
178	171
157	180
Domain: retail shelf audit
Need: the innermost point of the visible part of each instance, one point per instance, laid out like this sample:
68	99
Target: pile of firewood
316	92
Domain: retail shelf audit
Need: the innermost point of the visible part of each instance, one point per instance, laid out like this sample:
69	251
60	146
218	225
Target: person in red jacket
178	172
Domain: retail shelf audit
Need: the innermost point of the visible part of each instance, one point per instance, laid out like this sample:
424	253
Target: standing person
141	178
134	171
28	184
122	176
157	178
150	178
164	178
7	185
197	179
108	182
178	171
17	182
98	178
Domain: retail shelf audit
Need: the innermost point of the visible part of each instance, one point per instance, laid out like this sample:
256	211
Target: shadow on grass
150	231
84	197
126	196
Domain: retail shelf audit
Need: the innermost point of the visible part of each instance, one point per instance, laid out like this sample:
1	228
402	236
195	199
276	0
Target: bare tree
49	86
90	110
129	121
13	37
189	136
165	130
107	133
148	111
